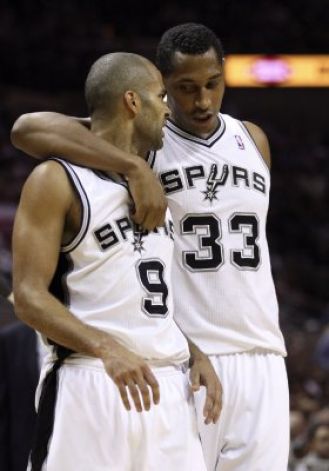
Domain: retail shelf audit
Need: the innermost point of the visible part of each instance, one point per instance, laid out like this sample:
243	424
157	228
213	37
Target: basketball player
215	171
107	297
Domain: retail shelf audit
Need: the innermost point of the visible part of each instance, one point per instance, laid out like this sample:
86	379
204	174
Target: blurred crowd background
46	49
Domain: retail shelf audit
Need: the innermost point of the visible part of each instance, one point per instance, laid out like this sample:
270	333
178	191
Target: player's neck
117	133
193	130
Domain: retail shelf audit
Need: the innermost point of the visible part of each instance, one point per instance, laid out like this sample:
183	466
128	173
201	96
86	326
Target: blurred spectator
19	374
321	353
318	457
298	429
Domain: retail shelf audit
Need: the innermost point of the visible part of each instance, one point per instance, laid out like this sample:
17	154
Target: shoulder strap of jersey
84	202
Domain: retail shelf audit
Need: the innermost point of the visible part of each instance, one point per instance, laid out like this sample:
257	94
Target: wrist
109	348
101	344
135	167
195	353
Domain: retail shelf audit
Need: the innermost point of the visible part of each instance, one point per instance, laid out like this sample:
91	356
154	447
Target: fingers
154	385
124	395
145	396
149	215
213	404
137	214
139	385
144	390
134	393
149	201
154	218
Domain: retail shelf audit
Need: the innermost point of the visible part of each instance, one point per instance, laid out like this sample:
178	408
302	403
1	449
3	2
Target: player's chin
159	142
204	125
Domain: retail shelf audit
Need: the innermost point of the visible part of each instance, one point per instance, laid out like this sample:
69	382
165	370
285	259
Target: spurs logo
213	182
138	242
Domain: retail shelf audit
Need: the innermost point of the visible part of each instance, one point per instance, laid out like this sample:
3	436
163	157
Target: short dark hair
110	76
188	38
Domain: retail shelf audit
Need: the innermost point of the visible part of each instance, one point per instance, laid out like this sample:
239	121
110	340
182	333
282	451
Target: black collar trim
119	179
207	142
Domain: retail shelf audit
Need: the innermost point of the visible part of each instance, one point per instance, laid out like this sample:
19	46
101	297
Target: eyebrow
213	77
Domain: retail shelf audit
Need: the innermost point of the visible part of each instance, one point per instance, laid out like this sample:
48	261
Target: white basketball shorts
252	433
94	432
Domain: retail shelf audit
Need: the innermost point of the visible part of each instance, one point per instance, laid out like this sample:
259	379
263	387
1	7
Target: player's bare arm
44	134
37	238
202	373
260	140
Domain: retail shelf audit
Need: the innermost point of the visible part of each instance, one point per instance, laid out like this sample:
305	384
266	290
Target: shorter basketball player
88	279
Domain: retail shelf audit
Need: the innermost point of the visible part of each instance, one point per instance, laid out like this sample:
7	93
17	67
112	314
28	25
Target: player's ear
132	101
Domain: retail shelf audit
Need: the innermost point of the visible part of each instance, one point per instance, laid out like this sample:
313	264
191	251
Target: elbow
24	304
20	129
25	133
21	304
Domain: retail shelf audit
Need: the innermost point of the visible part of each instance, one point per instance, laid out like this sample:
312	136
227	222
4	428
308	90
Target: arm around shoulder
261	141
46	133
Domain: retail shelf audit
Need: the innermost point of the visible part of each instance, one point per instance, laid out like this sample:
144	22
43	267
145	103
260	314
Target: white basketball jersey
116	278
218	193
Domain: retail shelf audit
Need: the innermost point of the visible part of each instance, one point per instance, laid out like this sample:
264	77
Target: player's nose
202	100
166	111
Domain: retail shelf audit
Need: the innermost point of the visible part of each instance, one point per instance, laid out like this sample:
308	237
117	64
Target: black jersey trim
151	158
118	179
207	142
58	286
85	206
252	140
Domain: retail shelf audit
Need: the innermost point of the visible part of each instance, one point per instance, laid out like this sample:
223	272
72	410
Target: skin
45	231
202	374
44	134
147	122
320	442
195	91
38	231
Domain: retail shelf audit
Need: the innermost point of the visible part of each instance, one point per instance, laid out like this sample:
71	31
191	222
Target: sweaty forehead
194	66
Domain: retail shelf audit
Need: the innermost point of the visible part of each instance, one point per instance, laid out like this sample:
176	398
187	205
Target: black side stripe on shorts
46	412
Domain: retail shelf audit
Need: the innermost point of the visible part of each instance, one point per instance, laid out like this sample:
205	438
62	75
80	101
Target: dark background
46	49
